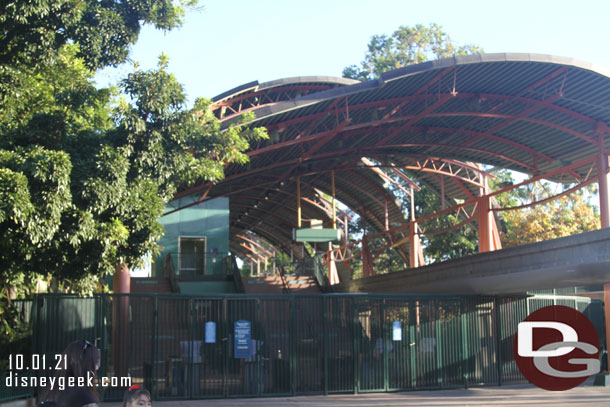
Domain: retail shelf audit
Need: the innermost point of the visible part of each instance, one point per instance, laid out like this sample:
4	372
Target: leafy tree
82	188
406	46
449	245
33	31
565	216
84	176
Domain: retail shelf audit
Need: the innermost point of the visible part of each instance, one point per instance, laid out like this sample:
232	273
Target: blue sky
231	43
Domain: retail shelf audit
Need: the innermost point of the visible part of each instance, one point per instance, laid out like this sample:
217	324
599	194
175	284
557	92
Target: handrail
320	277
237	281
285	287
170	273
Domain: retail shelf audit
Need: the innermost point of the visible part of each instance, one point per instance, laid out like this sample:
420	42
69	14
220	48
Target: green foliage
84	175
406	46
82	186
452	244
33	31
565	216
15	333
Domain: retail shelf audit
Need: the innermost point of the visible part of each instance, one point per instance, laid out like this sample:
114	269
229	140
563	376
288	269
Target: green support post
498	323
464	342
412	336
190	367
35	321
227	340
293	345
384	336
439	351
102	304
325	341
259	364
356	330
155	343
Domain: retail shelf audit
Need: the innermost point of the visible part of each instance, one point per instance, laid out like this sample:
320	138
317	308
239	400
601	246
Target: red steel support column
387	216
485	224
413	245
367	266
333	275
367	259
332	175
602	179
120	327
607	312
604	218
299	202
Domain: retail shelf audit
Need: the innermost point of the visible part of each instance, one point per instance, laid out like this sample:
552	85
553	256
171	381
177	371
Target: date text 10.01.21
37	362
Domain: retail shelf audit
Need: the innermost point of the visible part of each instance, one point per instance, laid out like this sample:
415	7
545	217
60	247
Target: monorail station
328	225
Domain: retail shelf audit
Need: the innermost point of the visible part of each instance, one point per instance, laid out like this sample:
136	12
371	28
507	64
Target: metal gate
183	347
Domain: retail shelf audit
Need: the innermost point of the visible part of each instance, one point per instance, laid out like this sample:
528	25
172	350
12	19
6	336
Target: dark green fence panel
140	345
373	344
399	344
308	344
510	311
174	348
479	352
424	334
243	377
276	346
594	310
209	368
60	320
63	319
340	343
449	343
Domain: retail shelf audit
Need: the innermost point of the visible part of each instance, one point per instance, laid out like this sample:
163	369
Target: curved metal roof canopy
536	114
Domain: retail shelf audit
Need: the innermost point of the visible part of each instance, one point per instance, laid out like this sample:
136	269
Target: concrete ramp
275	285
577	260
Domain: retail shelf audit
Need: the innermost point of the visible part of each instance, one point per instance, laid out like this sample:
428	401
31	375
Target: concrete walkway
506	396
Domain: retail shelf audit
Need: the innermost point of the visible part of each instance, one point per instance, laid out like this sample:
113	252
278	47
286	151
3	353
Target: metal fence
301	344
23	315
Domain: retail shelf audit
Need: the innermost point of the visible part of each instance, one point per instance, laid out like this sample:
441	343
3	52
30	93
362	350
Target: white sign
396	331
210	332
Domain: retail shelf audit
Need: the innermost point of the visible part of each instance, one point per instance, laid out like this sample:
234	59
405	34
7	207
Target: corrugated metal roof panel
497	104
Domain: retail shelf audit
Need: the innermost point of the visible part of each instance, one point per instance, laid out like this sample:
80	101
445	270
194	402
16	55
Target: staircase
150	285
275	285
302	285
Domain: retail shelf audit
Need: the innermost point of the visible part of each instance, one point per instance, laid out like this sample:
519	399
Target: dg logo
557	348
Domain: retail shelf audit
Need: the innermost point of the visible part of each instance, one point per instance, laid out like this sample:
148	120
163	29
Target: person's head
80	359
137	397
